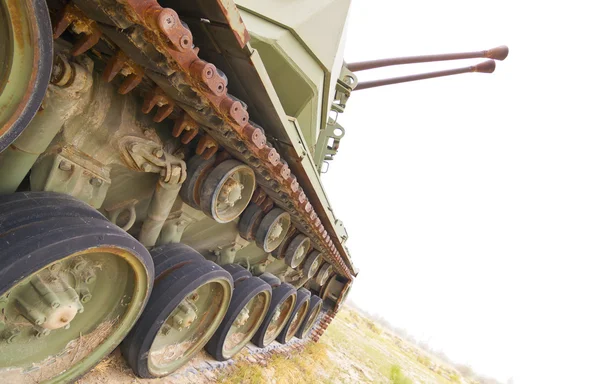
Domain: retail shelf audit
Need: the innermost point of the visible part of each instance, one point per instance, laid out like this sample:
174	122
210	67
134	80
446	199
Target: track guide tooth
207	147
70	15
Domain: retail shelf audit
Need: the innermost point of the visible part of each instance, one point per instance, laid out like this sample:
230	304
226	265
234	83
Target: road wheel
249	221
227	191
311	264
298	314
297	250
248	308
169	257
280	310
197	169
25	64
71	287
272	229
314	308
185	309
237	272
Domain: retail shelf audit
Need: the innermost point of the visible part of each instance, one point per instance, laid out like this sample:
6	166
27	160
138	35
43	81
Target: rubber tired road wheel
249	221
311	264
297	250
272	229
227	191
170	257
309	321
237	272
298	314
248	308
24	208
25	64
70	290
280	310
197	169
185	309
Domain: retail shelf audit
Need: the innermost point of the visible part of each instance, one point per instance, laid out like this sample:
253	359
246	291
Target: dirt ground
353	350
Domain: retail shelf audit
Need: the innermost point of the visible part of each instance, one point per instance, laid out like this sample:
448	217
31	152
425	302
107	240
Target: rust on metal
157	97
17	26
266	205
283	169
18	32
120	63
207	147
258	196
234	19
236	111
205	81
255	135
185	123
221	157
71	16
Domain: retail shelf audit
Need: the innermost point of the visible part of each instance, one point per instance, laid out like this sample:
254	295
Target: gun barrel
485	67
498	53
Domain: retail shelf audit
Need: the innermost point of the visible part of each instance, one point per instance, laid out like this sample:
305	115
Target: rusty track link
209	106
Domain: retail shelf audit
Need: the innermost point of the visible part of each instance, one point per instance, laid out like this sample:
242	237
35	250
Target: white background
473	202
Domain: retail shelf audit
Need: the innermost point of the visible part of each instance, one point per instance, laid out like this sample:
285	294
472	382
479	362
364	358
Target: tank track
154	54
255	354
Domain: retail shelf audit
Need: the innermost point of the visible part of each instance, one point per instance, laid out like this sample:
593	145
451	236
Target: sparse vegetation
245	373
397	377
356	348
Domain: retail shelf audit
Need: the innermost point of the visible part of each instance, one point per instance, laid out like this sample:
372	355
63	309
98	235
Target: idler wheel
79	282
314	308
25	64
248	308
280	311
298	314
184	311
272	229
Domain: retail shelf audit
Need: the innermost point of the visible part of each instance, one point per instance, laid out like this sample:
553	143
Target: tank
160	181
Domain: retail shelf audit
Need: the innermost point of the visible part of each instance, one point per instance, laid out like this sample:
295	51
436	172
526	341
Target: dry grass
307	367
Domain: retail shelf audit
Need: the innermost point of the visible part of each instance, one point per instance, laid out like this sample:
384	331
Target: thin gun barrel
485	67
498	53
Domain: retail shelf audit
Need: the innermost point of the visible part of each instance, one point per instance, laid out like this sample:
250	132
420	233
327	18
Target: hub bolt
12	335
64	165
96	182
42	333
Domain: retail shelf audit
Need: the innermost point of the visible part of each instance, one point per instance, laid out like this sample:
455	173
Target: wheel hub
184	316
277	314
231	192
242	317
49	301
313	268
276	231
